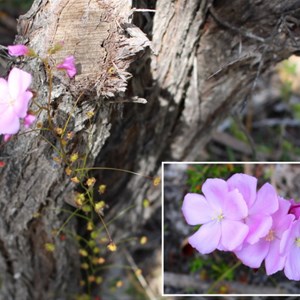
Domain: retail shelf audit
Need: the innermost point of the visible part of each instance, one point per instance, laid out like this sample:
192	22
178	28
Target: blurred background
10	10
272	110
188	272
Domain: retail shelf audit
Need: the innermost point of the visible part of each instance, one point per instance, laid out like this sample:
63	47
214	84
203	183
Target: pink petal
7	137
207	238
253	255
274	262
4	95
292	265
259	226
287	240
266	201
69	65
233	234
289	236
234	206
294	208
9	122
279	217
28	120
196	210
246	185
281	225
21	104
18	82
17	50
214	191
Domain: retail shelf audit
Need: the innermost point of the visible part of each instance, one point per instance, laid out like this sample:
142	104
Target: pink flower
261	205
290	246
221	212
7	137
268	247
14	99
28	120
69	65
18	50
295	208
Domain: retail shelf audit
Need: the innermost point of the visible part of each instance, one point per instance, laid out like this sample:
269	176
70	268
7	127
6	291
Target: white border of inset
162	224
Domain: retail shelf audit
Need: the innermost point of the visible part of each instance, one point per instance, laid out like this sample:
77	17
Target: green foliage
289	67
296	110
286	90
237	132
197	174
211	268
16	4
196	265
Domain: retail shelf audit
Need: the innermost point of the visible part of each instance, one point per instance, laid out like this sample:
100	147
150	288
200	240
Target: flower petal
214	191
259	226
287	240
69	65
196	209
18	82
17	50
207	238
281	218
4	95
246	185
9	122
21	104
234	207
292	265
233	234
274	262
253	255
266	201
29	120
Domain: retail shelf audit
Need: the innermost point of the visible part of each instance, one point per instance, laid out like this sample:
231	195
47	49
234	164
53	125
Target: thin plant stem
70	114
105	227
67	221
212	287
114	169
120	214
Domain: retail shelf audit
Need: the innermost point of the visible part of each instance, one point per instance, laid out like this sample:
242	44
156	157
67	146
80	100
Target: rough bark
192	40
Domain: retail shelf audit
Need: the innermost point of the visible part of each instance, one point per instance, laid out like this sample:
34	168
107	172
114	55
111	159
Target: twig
241	31
185	281
143	10
275	122
244	57
139	276
245	131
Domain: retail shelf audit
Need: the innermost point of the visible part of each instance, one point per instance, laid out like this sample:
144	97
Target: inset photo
231	229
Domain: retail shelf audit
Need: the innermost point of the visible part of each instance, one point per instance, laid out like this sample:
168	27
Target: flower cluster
14	100
68	64
15	94
255	225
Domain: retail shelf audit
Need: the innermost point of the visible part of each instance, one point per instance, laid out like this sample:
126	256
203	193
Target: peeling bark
192	40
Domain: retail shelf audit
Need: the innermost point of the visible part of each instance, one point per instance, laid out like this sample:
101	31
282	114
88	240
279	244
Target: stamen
219	217
271	236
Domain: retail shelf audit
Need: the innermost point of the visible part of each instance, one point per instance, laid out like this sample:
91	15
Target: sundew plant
19	109
256	225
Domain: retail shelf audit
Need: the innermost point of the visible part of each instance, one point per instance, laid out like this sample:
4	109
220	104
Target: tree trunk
206	56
